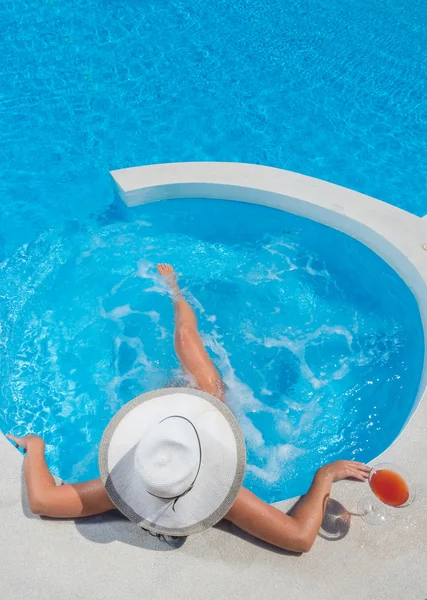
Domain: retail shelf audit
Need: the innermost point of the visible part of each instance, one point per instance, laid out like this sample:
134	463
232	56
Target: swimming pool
321	360
332	90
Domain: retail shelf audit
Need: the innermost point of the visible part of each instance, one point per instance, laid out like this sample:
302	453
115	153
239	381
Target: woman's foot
169	275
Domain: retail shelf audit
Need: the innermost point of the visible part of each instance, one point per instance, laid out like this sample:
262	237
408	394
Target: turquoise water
330	89
320	362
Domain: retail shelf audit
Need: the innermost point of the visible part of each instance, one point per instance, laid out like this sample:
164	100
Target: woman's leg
188	344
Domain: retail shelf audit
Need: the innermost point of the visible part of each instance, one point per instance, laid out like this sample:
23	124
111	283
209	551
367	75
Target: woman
296	532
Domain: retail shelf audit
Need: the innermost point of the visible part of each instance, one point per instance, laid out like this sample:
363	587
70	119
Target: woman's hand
26	441
344	469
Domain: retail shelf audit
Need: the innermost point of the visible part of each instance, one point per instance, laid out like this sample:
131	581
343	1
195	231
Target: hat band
190	487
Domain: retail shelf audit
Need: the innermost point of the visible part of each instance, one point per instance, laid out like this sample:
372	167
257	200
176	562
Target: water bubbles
309	367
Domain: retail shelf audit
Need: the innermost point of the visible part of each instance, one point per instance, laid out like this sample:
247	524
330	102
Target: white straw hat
173	461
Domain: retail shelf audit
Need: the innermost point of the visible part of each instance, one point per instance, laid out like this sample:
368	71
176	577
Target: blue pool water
319	342
332	89
336	90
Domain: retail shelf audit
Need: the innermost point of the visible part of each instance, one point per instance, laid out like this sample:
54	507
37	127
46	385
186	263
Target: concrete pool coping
106	557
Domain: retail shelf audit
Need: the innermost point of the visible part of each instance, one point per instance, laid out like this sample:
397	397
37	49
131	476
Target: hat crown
168	458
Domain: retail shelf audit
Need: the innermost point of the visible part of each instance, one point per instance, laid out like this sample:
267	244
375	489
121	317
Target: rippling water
332	89
318	340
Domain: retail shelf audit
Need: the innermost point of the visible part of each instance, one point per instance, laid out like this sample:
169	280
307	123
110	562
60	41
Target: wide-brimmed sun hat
173	461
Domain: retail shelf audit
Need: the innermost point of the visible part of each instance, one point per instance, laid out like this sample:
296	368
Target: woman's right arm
296	532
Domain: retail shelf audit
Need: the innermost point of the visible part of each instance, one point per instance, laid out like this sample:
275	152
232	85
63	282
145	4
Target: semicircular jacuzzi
319	341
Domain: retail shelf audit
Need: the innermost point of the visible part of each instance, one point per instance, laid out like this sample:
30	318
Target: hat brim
221	473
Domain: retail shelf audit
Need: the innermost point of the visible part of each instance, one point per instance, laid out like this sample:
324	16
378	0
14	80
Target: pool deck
106	557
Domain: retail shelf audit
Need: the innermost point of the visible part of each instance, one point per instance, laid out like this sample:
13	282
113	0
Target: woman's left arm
48	499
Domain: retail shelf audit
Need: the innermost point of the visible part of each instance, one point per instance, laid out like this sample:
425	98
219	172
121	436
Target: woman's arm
48	499
295	532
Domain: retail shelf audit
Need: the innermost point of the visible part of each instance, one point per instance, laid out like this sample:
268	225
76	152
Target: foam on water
318	362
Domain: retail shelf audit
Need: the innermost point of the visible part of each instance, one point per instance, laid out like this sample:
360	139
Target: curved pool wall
395	235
